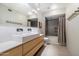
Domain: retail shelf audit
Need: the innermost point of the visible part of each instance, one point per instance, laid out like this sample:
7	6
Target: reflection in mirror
33	22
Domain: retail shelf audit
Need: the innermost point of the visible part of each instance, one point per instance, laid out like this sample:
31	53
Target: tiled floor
53	49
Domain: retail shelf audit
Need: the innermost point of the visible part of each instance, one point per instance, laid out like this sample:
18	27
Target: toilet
46	40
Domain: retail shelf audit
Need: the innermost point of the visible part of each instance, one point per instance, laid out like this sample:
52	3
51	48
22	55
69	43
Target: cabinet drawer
31	44
17	51
35	49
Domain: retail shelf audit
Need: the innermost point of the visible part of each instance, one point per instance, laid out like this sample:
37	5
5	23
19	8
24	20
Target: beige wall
72	34
42	20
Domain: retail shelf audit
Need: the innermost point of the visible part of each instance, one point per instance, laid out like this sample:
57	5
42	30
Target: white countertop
10	38
10	44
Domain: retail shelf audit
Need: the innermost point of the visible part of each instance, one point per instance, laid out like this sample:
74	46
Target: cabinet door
35	49
17	51
28	46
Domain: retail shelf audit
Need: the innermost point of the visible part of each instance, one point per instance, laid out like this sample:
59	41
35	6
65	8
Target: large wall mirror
33	22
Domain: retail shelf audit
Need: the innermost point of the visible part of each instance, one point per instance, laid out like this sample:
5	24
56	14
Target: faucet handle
29	29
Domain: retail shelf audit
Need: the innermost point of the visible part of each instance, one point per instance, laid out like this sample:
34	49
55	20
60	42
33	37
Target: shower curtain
62	31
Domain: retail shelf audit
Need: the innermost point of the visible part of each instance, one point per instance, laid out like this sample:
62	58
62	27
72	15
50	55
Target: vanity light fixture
38	8
34	11
54	6
29	13
9	10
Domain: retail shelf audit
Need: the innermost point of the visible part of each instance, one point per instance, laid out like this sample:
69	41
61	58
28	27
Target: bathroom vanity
27	47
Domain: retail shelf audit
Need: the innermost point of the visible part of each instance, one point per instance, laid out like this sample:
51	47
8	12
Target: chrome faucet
19	30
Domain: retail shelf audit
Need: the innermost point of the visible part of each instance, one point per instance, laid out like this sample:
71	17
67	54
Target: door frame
46	30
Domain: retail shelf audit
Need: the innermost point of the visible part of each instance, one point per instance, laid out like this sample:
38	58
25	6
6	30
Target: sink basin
26	36
30	37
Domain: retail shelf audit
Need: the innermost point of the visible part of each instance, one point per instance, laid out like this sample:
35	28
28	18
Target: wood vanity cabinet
17	51
35	49
26	49
31	47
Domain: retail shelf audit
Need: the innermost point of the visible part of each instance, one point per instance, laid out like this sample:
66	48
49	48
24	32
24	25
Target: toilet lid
45	38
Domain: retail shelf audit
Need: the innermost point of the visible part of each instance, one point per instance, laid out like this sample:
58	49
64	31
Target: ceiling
45	7
20	7
26	8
